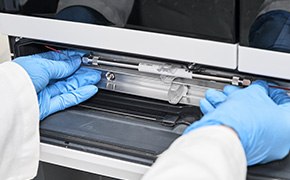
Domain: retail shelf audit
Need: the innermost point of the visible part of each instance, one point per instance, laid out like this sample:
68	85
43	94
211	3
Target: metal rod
123	65
212	78
96	60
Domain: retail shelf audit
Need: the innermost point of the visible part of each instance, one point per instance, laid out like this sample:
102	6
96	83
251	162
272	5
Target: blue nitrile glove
69	92
49	66
48	72
214	97
260	116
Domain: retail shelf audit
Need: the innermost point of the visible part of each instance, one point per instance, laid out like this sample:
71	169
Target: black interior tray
271	171
109	125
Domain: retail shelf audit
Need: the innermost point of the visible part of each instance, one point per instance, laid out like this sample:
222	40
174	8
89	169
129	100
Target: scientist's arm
30	92
19	137
258	115
212	152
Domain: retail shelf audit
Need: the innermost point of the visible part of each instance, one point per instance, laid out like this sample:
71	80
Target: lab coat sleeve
19	129
212	152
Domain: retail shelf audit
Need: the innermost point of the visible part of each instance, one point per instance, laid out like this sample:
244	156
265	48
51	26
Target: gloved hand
69	92
57	87
214	97
49	66
259	115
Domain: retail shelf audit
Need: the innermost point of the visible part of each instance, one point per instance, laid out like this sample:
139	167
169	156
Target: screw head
110	76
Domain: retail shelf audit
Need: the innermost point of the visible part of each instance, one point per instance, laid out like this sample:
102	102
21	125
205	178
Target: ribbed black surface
118	126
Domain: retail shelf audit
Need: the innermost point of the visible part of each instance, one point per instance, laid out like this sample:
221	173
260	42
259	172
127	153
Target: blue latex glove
57	81
260	116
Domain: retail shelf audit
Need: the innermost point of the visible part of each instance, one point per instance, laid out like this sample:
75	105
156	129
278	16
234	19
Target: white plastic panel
264	62
91	163
4	49
124	40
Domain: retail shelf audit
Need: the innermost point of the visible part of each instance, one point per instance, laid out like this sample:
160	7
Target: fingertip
209	93
98	76
215	97
100	72
205	106
72	98
93	75
97	73
87	91
229	89
74	62
94	89
76	59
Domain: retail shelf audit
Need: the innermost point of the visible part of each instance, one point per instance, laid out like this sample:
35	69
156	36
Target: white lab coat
208	153
19	129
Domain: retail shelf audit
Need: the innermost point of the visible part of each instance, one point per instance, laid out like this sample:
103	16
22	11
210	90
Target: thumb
62	69
215	97
205	106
